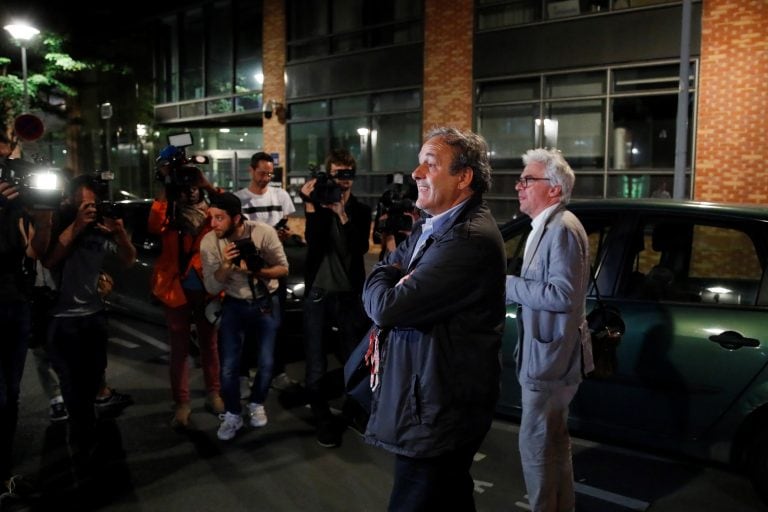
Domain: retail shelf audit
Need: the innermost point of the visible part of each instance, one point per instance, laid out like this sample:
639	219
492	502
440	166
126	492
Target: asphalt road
147	466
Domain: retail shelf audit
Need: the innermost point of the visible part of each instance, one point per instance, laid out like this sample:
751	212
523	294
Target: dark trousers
15	325
435	483
323	310
80	358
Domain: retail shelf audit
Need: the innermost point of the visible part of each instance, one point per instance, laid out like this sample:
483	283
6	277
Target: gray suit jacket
551	293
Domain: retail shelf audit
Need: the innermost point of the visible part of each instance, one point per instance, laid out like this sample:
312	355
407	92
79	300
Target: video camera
395	205
326	190
173	158
250	254
40	187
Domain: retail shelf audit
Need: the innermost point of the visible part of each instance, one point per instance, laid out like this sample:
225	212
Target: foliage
56	78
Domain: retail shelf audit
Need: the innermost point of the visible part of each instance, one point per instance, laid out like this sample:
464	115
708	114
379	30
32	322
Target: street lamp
21	33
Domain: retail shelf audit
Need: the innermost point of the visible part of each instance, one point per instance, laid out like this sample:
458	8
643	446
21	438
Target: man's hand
7	192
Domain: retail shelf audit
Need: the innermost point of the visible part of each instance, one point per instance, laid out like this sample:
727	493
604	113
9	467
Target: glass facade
382	131
615	126
208	62
326	27
493	14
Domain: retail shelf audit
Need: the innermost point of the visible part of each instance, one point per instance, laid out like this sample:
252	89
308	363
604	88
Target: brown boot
214	403
181	415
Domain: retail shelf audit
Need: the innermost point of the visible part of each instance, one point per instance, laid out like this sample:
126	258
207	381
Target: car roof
673	206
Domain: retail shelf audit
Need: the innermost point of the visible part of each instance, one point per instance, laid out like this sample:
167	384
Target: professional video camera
326	190
39	187
173	159
395	206
250	254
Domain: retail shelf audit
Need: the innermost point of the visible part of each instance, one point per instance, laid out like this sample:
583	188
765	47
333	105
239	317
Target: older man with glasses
551	294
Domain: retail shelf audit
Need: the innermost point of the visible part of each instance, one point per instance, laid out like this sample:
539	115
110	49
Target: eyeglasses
525	181
265	174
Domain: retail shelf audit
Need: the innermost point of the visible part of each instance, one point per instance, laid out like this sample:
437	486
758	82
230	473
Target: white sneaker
257	414
229	426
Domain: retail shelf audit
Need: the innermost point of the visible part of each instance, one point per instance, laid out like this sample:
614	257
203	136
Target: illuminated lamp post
21	34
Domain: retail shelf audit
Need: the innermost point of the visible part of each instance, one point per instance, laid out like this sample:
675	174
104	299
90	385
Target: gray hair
469	150
556	169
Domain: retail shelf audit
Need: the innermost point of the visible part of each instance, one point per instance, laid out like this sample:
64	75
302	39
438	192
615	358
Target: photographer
179	215
395	214
244	259
338	228
82	240
20	237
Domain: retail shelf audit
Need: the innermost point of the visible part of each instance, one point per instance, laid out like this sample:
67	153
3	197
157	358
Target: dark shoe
328	434
113	404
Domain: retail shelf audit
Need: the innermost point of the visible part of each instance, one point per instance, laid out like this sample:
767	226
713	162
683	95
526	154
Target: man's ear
466	176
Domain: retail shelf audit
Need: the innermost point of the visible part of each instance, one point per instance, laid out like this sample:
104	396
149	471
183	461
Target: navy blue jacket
440	361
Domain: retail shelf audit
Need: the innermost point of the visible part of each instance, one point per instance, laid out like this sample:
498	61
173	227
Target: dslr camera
250	254
40	187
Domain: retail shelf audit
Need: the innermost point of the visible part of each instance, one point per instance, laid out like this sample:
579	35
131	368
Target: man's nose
418	172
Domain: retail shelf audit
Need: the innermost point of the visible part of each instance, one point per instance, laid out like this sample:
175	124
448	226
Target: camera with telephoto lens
326	190
250	254
39	187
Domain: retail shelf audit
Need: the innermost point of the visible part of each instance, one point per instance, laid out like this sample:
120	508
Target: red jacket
167	277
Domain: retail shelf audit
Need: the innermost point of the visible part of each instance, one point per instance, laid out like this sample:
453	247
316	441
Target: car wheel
757	461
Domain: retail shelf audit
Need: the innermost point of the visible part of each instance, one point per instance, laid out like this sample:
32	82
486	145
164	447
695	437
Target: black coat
357	232
440	362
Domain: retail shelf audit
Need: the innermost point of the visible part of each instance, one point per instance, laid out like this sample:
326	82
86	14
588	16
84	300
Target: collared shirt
436	224
537	224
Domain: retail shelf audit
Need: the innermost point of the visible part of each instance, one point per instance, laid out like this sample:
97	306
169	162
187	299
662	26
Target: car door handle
733	340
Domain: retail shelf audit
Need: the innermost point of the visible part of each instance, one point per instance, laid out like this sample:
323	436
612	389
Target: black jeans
80	358
323	310
435	483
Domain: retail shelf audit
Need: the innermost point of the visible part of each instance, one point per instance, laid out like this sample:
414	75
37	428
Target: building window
318	28
616	126
493	14
382	131
208	62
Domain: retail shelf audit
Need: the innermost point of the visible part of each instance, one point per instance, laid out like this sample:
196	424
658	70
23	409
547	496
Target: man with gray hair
551	294
438	302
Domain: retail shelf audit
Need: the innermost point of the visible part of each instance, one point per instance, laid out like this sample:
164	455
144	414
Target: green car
691	282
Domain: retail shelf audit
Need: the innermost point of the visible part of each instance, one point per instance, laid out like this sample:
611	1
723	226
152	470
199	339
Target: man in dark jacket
439	301
338	228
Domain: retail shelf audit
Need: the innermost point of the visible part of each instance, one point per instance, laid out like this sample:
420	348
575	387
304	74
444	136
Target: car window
683	261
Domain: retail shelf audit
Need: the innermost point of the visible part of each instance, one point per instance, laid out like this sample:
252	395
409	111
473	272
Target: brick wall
448	30
274	72
732	138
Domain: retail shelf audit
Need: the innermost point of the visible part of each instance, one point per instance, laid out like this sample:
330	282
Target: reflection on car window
685	262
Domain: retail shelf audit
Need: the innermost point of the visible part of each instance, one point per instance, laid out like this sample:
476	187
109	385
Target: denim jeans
323	310
15	322
238	316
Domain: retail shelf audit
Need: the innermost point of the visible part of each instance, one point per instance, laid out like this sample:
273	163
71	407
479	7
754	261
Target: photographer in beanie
244	259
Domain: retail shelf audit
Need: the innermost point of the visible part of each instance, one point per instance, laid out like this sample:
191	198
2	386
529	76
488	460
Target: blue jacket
440	361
